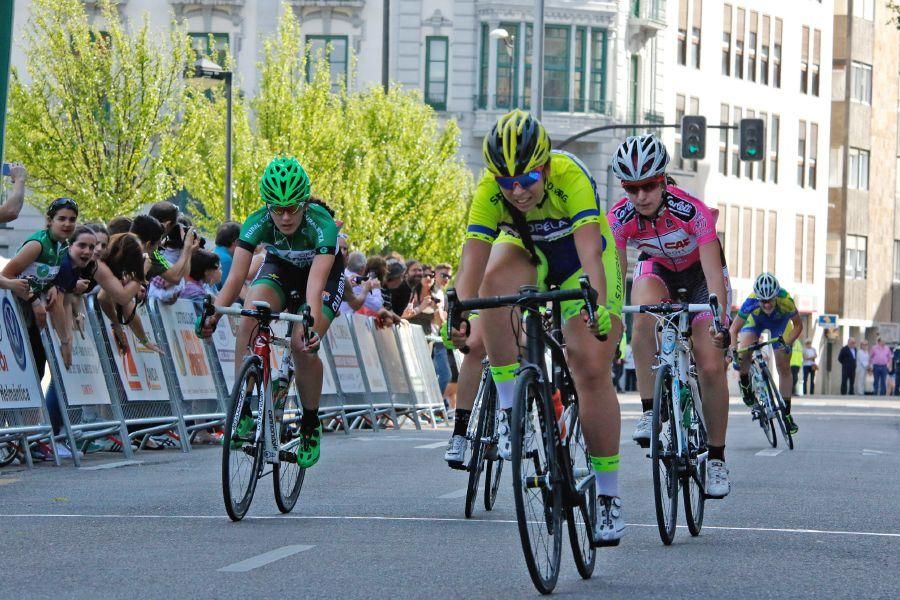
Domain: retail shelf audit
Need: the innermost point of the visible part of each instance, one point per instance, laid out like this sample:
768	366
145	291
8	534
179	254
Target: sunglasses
444	275
284	210
525	179
648	185
61	203
429	275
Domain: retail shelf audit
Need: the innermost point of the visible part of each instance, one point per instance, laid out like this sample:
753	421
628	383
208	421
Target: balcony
552	104
645	20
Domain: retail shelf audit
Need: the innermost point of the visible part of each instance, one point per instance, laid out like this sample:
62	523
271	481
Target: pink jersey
674	237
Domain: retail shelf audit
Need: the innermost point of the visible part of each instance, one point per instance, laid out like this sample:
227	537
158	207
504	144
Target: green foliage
98	118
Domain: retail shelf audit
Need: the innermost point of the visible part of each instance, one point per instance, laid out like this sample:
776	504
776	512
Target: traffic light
693	136
753	139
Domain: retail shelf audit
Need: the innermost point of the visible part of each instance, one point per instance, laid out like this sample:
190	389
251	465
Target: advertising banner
343	352
83	381
369	354
19	386
188	352
390	357
140	368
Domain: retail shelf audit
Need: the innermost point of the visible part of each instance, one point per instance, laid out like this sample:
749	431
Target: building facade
863	247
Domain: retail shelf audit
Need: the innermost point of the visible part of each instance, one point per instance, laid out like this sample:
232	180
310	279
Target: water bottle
686	402
280	385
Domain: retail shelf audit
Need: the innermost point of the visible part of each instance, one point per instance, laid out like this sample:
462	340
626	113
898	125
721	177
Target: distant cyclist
302	256
771	308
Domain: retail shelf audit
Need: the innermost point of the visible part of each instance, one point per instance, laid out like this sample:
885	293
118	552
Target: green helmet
284	182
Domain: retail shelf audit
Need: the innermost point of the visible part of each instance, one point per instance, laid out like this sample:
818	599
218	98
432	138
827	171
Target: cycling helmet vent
516	144
284	182
640	157
766	286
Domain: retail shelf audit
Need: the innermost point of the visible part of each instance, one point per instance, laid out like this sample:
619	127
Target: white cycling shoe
610	526
456	450
504	445
641	433
717	484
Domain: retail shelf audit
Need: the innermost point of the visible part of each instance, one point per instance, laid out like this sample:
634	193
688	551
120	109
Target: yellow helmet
516	144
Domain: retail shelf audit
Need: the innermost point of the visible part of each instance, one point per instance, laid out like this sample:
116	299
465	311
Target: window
580	68
679	114
751	47
695	33
333	48
864	9
764	53
759	224
724	111
736	141
556	68
861	82
798	248
817	57
773	149
726	40
801	154
859	169
635	86
804	61
856	257
773	241
739	45
436	59
809	257
813	155
682	32
507	55
483	67
526	75
896	261
734	233
746	237
776	55
200	42
598	71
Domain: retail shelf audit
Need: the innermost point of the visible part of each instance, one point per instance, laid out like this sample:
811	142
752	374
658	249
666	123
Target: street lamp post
537	73
204	67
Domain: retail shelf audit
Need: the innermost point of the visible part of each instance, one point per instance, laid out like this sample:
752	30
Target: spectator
393	280
443	273
630	372
796	363
119	225
102	235
619	365
895	369
204	278
401	290
10	209
167	215
226	240
362	288
863	367
880	358
847	358
75	277
809	368
151	232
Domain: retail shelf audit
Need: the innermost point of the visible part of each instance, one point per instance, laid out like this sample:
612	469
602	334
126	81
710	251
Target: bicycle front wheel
287	476
241	456
663	454
476	459
493	467
582	515
536	487
780	406
694	482
764	406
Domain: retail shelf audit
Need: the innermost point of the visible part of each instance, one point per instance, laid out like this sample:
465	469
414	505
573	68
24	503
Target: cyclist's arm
119	293
795	332
315	285
26	255
240	266
711	261
736	329
589	244
472	264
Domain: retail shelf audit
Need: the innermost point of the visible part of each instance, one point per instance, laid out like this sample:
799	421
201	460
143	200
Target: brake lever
590	299
454	315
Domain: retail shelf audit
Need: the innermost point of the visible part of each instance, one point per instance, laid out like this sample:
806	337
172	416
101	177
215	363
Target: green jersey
45	268
317	234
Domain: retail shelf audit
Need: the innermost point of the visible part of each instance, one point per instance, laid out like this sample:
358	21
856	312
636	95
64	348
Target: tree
893	5
98	120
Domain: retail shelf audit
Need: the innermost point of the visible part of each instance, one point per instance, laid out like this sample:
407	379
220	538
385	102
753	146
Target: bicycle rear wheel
763	405
581	516
241	463
694	483
663	450
476	458
536	488
287	476
492	472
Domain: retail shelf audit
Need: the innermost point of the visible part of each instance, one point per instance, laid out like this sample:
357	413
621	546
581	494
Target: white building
728	60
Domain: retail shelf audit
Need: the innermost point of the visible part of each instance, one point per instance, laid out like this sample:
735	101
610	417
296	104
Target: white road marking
770	452
433	445
868	452
112	465
387	437
454	494
265	558
421	520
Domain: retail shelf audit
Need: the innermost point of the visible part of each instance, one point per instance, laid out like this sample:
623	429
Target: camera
435	299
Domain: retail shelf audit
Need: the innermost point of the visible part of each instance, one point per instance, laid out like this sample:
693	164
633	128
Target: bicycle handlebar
263	314
761	345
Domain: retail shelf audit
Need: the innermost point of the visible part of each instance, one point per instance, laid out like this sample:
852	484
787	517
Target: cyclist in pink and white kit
676	236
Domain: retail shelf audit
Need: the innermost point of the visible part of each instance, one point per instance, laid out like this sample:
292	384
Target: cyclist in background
771	308
300	238
535	219
676	235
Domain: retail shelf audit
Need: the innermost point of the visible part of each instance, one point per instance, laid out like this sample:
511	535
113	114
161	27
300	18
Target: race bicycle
277	430
678	439
552	476
769	405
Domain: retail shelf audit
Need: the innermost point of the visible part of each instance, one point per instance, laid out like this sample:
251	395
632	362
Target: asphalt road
381	516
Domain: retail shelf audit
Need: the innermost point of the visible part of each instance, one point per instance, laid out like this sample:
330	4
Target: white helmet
640	157
766	286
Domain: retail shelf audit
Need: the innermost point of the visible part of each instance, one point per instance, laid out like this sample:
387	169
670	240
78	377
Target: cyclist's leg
713	385
785	378
748	336
648	288
262	289
467	387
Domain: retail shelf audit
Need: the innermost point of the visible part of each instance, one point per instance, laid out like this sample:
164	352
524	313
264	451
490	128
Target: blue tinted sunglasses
525	179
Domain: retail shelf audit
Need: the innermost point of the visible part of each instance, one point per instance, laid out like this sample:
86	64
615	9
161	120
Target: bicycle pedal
643	443
285	456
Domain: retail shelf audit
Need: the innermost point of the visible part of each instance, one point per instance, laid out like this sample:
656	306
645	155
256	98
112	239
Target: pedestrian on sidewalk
863	367
796	363
630	372
847	358
809	368
895	368
880	358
